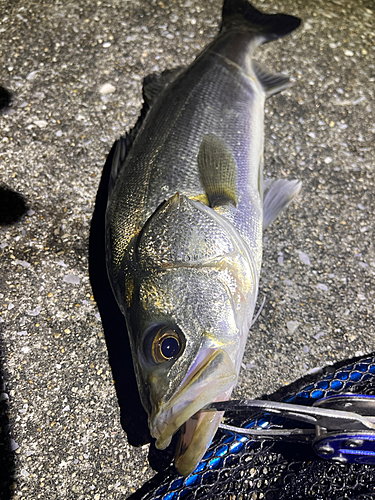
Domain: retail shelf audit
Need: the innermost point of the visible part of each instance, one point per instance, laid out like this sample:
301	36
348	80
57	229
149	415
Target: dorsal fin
217	171
271	82
152	86
155	83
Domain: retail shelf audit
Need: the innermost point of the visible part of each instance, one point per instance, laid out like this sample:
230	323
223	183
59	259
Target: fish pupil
170	347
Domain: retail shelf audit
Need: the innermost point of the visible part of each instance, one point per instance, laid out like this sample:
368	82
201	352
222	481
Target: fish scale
182	121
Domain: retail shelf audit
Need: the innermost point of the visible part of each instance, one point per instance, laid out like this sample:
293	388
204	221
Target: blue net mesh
239	467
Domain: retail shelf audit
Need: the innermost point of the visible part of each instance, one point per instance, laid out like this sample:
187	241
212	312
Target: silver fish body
184	227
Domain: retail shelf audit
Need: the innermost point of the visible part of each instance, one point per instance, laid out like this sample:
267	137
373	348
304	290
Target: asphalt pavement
75	70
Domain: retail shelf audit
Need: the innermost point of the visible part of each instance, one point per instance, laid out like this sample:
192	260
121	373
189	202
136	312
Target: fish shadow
6	98
12	206
133	415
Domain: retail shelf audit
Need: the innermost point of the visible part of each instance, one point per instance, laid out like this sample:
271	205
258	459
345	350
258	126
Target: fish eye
167	344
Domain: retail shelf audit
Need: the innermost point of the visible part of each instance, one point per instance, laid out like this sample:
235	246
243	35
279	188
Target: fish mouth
211	379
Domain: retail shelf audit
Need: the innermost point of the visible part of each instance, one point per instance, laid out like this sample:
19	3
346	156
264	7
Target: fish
187	205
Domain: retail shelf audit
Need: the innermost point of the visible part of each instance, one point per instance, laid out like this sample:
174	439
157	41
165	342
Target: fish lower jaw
162	429
173	418
197	428
214	380
168	423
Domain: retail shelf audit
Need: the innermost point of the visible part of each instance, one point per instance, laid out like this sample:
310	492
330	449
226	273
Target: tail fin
271	26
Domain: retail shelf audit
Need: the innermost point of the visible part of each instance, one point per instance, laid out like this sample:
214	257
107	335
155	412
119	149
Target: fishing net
238	467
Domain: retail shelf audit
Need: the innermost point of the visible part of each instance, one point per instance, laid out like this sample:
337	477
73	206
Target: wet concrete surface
75	71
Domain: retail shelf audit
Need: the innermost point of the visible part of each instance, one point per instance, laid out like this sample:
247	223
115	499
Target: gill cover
183	232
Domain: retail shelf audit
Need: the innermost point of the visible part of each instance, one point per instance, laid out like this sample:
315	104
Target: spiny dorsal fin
271	82
155	83
277	196
217	171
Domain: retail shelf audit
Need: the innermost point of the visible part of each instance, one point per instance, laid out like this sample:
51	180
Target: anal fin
272	83
277	196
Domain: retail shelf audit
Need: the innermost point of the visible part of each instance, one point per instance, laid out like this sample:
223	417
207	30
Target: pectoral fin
277	196
217	171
